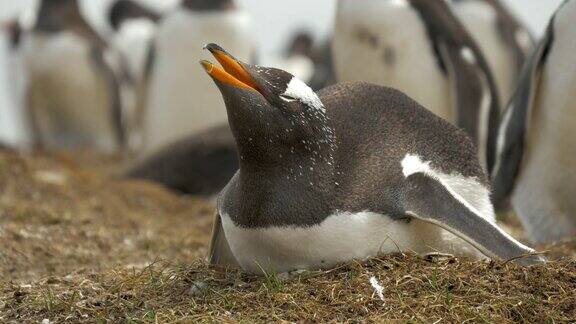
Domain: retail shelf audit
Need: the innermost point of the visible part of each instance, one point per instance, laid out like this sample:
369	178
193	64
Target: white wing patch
301	91
468	191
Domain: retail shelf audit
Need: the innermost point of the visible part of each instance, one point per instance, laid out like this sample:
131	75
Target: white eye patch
298	90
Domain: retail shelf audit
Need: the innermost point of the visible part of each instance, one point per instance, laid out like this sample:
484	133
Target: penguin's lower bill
231	73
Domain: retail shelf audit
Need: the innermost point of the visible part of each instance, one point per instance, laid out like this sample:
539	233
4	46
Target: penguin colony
401	134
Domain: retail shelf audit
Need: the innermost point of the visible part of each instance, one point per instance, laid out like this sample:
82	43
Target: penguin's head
272	114
209	5
123	10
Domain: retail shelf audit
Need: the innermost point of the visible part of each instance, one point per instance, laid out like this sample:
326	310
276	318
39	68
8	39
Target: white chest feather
386	43
341	237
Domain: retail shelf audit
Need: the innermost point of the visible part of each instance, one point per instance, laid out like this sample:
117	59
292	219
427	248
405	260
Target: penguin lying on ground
73	95
420	48
347	173
200	164
536	144
504	41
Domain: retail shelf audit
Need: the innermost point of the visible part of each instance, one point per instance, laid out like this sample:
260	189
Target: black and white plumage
134	28
505	42
536	145
420	48
72	90
14	128
350	172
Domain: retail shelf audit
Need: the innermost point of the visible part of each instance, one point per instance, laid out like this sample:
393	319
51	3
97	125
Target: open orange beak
231	73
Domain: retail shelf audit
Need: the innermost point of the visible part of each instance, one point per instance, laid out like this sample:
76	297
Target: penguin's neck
296	190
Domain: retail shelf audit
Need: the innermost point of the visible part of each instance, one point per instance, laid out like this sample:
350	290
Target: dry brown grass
76	245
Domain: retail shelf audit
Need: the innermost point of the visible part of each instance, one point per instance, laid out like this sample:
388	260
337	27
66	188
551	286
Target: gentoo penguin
14	128
536	143
420	48
503	39
199	165
134	26
353	171
180	101
72	92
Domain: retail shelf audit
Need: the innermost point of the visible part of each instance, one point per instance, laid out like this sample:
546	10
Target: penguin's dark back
376	127
196	165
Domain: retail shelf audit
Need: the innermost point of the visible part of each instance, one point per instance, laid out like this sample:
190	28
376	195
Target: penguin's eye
287	98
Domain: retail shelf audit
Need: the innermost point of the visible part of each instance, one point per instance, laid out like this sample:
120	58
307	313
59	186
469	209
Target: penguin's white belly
70	98
341	237
480	20
14	129
182	99
546	186
386	43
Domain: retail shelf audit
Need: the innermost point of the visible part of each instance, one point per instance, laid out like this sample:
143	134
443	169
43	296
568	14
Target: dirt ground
79	244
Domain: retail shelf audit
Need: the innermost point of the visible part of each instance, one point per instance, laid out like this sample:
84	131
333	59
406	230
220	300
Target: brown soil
79	244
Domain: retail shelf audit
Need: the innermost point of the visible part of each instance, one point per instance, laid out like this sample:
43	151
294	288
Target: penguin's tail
428	199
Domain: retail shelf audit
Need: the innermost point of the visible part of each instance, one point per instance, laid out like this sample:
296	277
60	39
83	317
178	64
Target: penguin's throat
305	158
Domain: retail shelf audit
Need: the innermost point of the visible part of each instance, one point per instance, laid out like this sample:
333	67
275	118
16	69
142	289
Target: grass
94	248
415	289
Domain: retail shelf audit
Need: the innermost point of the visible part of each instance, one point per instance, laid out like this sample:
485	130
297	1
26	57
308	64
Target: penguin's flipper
219	252
111	67
515	122
427	199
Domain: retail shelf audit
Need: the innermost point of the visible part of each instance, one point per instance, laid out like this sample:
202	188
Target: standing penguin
504	41
72	91
420	48
180	101
134	28
14	128
536	143
348	173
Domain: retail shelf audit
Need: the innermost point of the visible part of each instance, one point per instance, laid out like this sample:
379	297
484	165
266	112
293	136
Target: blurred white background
275	20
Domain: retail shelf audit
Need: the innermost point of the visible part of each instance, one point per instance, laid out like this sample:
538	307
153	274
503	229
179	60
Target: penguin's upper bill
231	73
